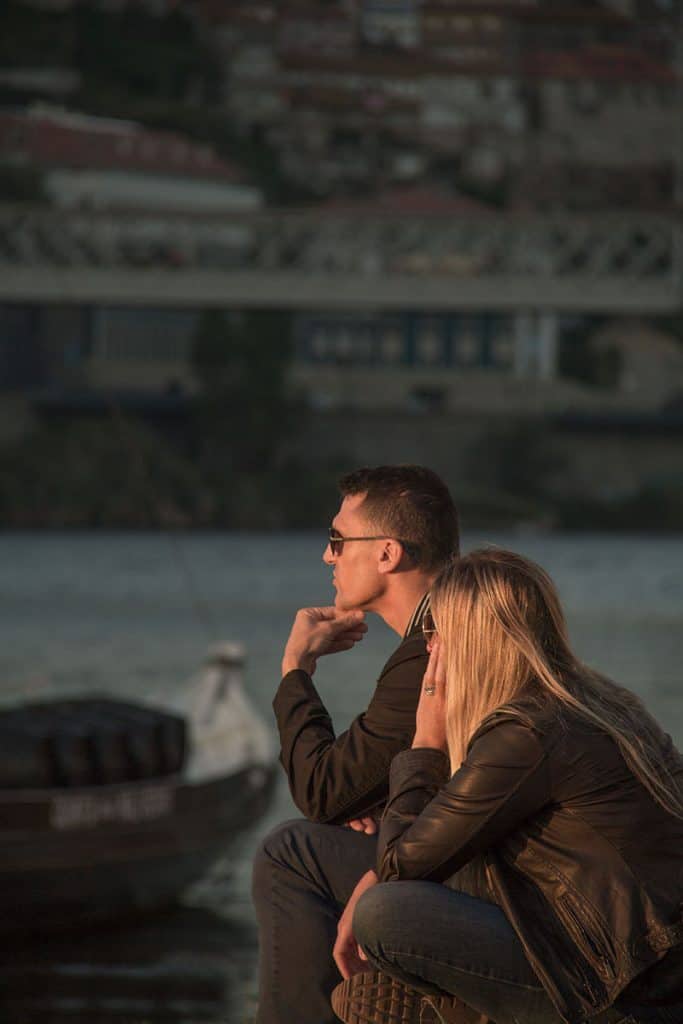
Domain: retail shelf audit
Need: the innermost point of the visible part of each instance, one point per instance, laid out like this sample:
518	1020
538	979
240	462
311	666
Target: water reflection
181	967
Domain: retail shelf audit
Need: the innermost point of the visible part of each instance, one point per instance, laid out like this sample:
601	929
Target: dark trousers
303	876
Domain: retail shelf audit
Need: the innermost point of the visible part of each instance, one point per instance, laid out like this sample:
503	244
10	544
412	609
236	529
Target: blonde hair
504	634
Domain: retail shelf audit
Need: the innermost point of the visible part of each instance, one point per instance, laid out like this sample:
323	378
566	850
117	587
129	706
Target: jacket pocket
590	934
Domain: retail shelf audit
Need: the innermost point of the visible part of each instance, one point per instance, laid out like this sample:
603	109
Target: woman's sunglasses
429	630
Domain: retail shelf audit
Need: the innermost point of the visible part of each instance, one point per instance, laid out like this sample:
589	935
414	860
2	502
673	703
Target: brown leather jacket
587	867
335	778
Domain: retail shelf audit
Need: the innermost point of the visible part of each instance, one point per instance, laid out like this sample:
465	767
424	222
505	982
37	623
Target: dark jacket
587	867
333	779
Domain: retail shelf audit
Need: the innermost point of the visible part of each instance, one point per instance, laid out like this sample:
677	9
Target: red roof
610	63
313	12
63	139
218	12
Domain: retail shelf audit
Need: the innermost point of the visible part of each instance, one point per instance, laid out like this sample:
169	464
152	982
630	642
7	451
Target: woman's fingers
430	717
435	673
440	666
430	671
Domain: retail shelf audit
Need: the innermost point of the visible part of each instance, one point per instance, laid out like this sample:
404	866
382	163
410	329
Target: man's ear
390	558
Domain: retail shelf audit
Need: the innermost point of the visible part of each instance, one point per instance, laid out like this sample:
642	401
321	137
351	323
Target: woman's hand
348	955
430	718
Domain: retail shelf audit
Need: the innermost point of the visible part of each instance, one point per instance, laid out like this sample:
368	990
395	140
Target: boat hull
74	857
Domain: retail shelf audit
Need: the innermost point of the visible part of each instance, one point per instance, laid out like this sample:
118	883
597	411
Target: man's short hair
412	504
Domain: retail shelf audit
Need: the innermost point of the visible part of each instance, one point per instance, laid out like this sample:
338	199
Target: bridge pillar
536	345
547	346
523	334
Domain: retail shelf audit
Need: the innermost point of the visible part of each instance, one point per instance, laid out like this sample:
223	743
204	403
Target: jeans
434	938
437	940
303	876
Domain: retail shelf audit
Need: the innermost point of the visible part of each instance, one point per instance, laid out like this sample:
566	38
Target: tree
244	412
584	360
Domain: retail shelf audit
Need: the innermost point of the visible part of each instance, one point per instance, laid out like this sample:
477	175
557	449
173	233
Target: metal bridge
615	263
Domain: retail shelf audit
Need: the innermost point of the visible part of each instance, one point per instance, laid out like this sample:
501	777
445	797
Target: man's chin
346	606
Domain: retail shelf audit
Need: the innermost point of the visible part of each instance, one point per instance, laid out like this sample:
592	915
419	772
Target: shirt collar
417	616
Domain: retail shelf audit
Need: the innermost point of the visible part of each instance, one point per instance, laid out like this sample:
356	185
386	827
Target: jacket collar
415	623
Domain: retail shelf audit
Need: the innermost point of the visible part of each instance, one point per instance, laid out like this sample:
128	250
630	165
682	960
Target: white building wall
600	123
107	189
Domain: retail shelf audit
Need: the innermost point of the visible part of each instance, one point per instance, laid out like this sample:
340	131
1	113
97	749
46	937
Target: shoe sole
376	998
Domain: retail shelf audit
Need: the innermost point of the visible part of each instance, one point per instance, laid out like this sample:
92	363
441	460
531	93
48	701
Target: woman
565	808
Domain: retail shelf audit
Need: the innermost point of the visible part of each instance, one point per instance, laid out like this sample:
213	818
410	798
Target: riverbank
112	472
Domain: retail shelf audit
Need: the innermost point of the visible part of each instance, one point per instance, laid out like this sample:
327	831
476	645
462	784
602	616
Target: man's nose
328	557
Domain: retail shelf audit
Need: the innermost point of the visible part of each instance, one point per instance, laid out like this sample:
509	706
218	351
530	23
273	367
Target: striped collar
418	615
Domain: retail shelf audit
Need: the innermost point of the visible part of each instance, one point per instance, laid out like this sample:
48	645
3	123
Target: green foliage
21	184
583	360
105	473
672	325
133	52
27	35
244	411
495	193
126	53
655	506
156	70
245	416
252	152
514	459
237	469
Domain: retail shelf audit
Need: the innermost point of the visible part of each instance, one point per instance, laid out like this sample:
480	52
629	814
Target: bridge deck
604	263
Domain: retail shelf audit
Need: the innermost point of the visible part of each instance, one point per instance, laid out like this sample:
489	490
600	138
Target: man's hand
319	631
348	955
366	824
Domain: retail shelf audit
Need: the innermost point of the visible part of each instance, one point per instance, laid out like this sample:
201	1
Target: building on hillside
649	362
606	126
354	95
308	28
243	38
86	351
56	83
399	362
102	163
390	24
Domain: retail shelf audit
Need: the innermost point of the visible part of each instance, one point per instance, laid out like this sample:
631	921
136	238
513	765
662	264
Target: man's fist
366	824
319	631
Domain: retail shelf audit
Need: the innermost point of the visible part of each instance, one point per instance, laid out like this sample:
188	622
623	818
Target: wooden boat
80	853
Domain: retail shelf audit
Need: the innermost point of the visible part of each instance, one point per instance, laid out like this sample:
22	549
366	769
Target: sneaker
376	998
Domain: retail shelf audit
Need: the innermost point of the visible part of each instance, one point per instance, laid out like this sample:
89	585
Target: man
395	529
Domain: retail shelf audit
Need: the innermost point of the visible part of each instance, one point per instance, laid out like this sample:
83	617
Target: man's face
356	576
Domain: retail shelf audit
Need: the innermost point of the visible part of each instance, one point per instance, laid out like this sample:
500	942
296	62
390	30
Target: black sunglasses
337	541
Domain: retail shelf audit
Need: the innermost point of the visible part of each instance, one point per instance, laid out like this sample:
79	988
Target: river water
133	614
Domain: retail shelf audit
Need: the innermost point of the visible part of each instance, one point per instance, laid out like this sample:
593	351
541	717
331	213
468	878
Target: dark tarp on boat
88	741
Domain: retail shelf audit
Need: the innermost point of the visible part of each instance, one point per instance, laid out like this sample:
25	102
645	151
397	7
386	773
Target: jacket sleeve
430	830
335	778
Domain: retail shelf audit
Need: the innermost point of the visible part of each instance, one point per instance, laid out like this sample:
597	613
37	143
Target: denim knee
271	853
370	915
